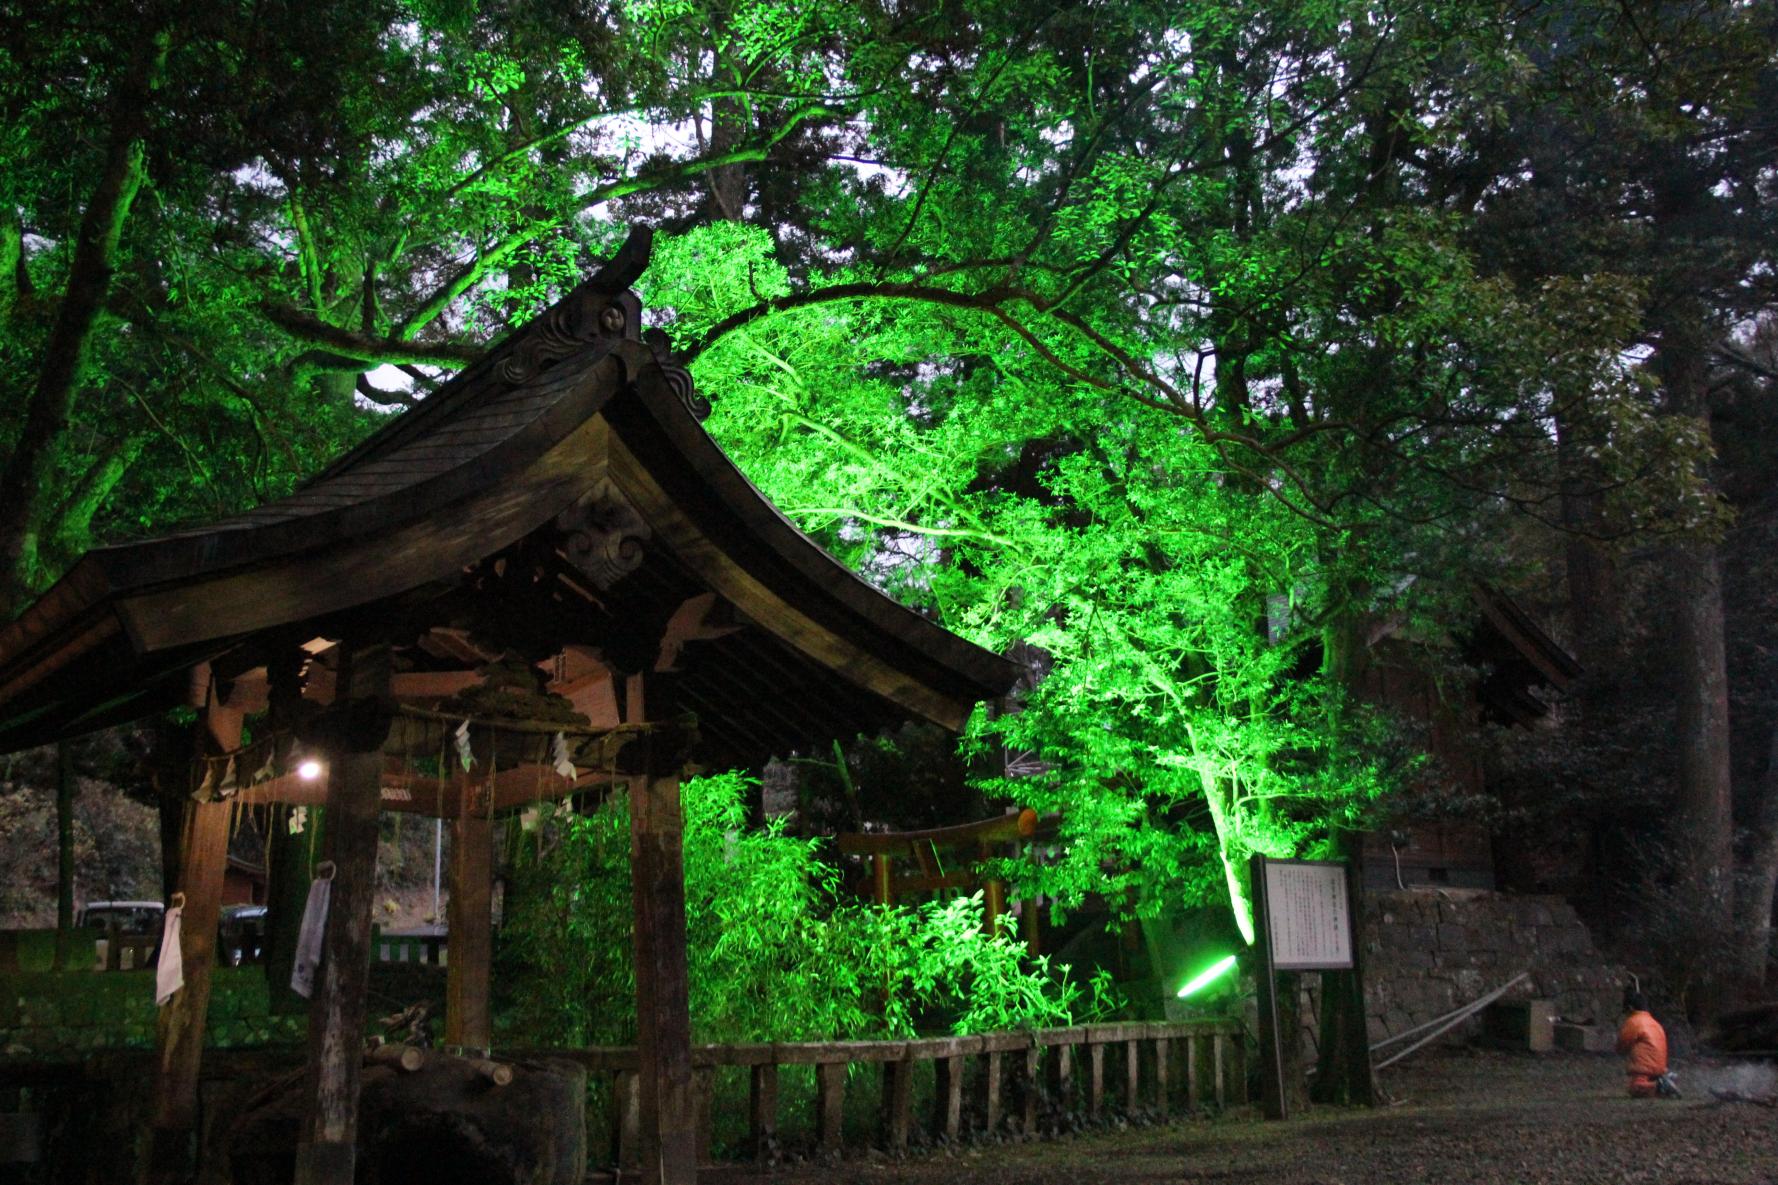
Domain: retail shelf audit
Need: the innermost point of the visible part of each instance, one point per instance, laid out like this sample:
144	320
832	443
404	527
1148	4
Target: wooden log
468	980
991	1089
830	1103
179	1029
948	1097
497	1073
663	1017
762	1111
1095	1079
406	1058
898	1099
326	1152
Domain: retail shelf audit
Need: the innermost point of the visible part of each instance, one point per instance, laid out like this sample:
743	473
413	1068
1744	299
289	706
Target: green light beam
1204	978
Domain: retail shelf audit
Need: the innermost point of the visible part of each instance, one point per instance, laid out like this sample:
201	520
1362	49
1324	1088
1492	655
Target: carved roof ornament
600	310
605	535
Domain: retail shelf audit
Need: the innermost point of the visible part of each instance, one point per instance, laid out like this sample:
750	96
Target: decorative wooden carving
605	535
678	378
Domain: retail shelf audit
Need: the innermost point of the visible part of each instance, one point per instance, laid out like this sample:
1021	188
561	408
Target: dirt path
1463	1118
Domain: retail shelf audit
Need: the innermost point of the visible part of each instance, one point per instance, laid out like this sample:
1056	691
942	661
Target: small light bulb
308	769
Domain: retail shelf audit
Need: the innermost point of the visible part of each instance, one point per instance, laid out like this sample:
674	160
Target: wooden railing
1155	1067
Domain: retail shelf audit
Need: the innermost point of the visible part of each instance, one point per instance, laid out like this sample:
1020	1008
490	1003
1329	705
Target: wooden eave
486	461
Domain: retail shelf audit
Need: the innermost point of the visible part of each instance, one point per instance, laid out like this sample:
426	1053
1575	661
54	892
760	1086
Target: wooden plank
830	1103
948	1097
468	975
991	1090
326	1149
1095	1079
762	1111
179	1029
898	1097
663	1018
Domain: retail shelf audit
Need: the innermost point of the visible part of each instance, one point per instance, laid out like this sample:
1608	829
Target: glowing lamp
1206	977
308	769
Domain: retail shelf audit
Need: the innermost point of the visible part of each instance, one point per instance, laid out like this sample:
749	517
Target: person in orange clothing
1643	1043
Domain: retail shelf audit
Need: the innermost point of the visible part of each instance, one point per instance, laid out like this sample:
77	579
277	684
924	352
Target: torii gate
558	500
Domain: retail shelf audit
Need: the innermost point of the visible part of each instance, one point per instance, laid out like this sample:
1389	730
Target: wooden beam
468	1021
326	1151
179	1031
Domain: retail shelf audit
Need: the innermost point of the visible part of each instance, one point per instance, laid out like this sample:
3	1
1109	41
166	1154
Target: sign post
1304	915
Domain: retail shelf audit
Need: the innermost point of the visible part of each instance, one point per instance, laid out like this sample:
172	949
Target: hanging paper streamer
299	818
564	764
229	783
308	939
268	771
169	973
463	753
530	818
204	792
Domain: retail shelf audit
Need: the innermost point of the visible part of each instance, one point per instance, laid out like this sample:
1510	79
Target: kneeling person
1643	1043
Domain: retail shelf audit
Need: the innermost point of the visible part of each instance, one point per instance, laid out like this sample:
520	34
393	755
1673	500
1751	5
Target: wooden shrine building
555	509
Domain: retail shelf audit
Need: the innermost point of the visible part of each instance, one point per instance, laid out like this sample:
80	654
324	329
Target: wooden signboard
1306	915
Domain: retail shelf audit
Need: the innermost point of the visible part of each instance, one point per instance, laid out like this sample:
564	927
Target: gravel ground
1460	1118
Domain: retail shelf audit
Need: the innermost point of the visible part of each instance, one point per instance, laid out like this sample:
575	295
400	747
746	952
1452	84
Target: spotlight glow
1208	976
308	769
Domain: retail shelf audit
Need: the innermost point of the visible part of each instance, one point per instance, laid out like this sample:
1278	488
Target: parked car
241	937
126	917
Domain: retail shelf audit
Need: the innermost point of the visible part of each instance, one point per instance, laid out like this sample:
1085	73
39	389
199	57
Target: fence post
898	1094
1216	1058
1160	1074
948	1100
626	1118
830	1099
1063	1076
991	1089
1033	1084
1095	1079
762	1107
1132	1075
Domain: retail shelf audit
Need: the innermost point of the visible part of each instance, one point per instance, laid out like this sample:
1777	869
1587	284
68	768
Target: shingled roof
573	451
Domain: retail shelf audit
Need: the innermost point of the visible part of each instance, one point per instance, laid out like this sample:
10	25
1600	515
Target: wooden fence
1154	1067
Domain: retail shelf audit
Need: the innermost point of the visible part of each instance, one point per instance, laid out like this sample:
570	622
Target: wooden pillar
179	1031
326	1151
948	1096
882	887
663	1016
830	1102
762	1100
993	905
468	980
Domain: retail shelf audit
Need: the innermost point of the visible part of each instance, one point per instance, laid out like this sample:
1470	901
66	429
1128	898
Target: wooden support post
626	1119
326	1152
468	1021
993	905
830	1101
1033	1089
1161	1081
1217	1068
991	1089
1274	1097
703	1089
179	1031
1193	1068
762	1112
898	1101
882	890
1062	1076
1095	1079
1132	1075
948	1097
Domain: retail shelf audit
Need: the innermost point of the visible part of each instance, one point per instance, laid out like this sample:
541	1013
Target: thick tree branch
340	349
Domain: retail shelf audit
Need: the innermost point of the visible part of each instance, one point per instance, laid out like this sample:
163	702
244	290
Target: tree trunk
24	482
1759	881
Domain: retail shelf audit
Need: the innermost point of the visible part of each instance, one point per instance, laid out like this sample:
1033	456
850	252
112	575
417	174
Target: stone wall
1430	951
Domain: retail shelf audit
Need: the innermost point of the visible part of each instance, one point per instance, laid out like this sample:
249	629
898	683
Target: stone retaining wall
1430	951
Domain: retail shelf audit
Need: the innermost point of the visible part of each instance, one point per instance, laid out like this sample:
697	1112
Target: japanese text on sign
1307	916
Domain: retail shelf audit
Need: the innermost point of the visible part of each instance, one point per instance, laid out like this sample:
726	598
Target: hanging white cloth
169	972
308	939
